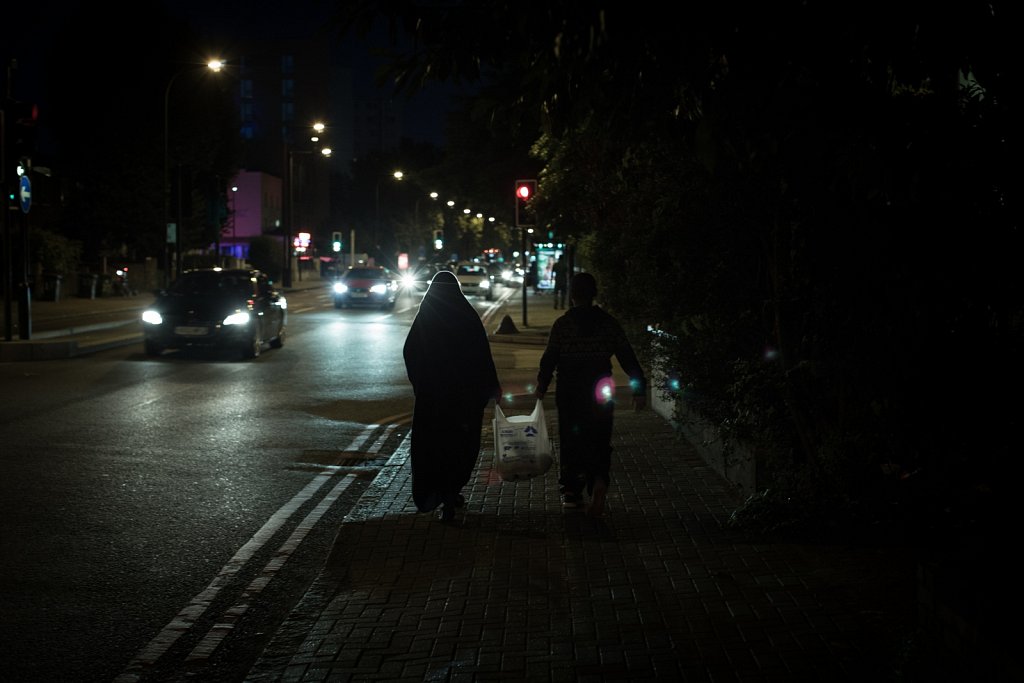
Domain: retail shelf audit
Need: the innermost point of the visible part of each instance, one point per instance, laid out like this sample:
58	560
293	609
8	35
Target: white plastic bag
522	449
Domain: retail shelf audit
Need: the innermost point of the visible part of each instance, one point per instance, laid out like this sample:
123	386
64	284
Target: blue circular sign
25	193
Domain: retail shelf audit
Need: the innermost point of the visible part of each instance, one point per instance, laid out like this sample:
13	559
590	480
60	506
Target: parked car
214	308
374	286
475	280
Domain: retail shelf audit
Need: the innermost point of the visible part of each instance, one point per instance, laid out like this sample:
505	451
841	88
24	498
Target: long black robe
448	360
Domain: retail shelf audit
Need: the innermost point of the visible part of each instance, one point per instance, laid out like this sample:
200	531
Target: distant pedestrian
561	278
448	361
533	277
578	356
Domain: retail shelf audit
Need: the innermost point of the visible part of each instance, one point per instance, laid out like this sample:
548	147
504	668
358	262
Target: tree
776	175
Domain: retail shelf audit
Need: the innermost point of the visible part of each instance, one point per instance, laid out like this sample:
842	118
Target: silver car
475	280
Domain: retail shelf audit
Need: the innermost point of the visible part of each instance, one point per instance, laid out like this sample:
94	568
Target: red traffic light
25	113
525	189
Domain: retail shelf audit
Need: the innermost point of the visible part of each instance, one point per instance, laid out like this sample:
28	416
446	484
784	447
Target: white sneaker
572	500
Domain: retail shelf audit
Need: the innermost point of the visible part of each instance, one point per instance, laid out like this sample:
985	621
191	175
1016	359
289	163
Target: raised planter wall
737	464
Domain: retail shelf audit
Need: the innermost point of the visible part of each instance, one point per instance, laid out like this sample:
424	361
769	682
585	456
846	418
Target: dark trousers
584	436
559	297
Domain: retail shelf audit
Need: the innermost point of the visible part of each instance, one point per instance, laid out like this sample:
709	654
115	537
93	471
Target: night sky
29	35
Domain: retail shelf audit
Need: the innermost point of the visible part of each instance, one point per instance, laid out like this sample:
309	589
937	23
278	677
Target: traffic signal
19	137
336	243
438	240
526	190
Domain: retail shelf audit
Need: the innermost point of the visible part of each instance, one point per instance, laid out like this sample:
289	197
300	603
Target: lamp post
288	214
214	65
325	152
397	175
234	222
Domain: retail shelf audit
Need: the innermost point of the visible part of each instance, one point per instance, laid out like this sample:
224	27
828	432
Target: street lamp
214	65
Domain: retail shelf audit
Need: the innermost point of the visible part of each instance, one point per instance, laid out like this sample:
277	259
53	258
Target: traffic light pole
286	225
25	290
24	284
8	278
524	192
17	142
526	270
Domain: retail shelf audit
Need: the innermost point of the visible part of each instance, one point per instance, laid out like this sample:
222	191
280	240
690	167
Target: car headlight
408	281
340	288
485	284
237	318
152	317
379	289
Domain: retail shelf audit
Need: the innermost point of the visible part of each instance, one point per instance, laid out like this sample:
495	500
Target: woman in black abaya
448	360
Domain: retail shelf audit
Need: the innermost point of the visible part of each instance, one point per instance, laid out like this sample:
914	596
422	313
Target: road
159	517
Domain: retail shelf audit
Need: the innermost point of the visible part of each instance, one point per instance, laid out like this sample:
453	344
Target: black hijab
444	305
447	355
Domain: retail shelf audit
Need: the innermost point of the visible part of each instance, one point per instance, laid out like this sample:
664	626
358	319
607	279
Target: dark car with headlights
212	308
374	286
416	280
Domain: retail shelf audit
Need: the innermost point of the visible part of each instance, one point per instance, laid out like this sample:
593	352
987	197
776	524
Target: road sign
25	193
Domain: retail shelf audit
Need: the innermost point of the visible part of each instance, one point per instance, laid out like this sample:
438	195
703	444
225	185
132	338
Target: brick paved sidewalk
519	589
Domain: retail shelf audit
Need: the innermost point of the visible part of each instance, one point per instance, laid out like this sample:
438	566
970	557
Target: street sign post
25	193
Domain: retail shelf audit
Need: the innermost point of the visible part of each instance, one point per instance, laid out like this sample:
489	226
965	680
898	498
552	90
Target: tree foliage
55	254
815	201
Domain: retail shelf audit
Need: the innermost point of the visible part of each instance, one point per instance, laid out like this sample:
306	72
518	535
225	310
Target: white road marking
220	630
375	448
187	617
358	442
